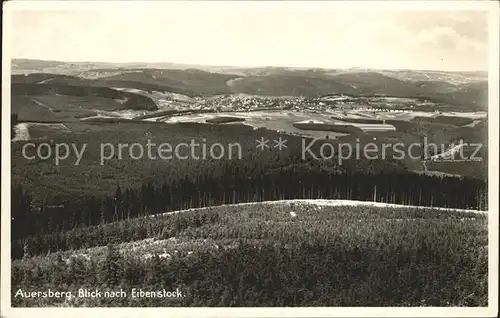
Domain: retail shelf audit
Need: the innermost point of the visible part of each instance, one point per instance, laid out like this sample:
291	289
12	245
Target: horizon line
247	67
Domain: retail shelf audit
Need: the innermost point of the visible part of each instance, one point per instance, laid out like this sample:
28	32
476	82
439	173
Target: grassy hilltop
260	255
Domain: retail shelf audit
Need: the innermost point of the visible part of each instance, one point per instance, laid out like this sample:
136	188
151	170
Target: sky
247	35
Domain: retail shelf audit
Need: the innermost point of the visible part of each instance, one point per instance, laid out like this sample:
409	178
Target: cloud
444	40
325	38
453	39
437	35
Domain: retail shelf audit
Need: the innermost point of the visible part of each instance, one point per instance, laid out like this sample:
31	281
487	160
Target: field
288	121
285	253
44	178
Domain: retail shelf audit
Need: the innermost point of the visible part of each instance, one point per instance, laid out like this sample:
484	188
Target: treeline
230	222
161	227
399	188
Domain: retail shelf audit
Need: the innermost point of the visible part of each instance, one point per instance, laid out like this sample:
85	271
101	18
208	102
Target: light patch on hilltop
96	74
162	99
473	124
234	81
123	114
21	132
329	203
311	121
448	154
122	101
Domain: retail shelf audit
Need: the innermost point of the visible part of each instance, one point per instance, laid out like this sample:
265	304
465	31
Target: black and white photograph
308	157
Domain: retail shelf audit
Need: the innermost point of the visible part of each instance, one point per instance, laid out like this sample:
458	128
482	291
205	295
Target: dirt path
473	124
39	103
448	154
46	80
424	164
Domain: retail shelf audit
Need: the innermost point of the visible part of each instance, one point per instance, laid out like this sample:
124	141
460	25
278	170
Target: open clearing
21	132
29	131
284	120
281	121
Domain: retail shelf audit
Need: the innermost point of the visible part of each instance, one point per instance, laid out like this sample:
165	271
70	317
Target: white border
493	114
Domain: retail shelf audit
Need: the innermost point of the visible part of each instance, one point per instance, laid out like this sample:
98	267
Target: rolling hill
299	252
466	91
62	86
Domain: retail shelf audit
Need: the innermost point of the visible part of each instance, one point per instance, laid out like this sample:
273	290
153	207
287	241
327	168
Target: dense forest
406	189
249	276
256	255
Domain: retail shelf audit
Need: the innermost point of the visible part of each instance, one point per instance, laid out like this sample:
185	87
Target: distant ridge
19	62
465	90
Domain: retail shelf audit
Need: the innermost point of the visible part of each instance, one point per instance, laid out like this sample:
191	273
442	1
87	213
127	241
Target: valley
345	230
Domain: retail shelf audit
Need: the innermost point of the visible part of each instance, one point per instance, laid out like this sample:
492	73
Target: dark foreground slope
259	255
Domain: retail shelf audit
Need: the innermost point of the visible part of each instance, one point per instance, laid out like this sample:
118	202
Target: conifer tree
111	269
